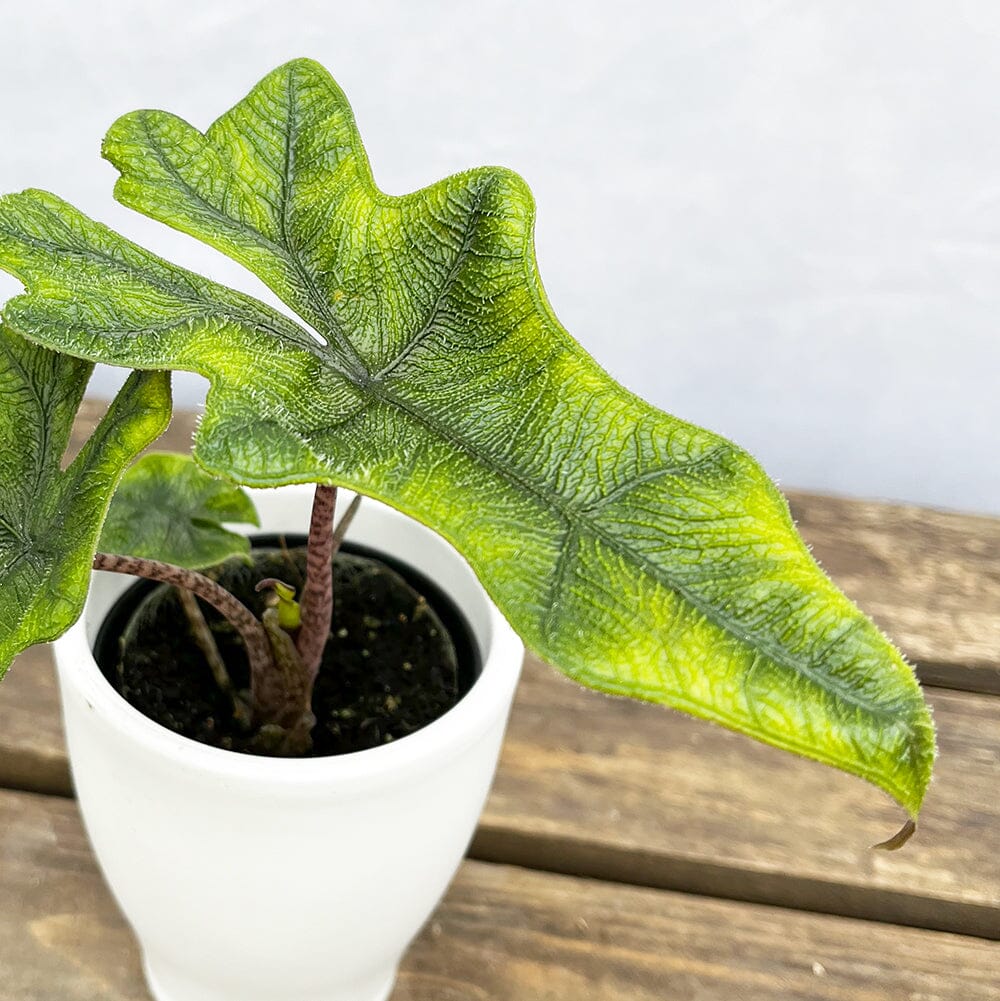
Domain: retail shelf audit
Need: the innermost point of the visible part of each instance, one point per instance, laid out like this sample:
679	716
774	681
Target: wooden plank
509	934
614	789
32	751
619	790
931	579
502	934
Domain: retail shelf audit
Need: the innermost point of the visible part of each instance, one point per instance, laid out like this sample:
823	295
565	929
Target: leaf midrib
575	524
427	326
323	350
211	310
40	459
309	282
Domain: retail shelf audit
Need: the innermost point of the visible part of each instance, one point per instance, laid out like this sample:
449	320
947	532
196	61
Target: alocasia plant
641	555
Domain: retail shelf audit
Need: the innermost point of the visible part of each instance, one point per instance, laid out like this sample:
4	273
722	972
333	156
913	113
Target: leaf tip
899	838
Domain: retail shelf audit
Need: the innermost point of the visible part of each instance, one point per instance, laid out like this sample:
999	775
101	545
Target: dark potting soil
390	666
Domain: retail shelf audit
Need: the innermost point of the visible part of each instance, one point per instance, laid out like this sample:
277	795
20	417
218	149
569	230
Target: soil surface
389	667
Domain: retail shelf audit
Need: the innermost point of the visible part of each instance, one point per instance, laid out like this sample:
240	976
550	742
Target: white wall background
777	219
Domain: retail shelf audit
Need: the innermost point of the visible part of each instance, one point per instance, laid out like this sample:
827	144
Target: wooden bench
628	852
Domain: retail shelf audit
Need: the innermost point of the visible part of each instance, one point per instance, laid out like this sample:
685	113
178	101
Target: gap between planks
502	934
619	790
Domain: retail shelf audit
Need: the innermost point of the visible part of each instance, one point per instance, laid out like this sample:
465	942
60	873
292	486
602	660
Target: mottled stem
289	734
202	633
317	595
255	638
345	522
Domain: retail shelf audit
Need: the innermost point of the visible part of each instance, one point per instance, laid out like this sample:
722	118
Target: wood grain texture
32	751
615	789
502	934
930	579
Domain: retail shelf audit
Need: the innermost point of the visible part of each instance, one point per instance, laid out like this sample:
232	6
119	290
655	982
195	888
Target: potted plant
640	555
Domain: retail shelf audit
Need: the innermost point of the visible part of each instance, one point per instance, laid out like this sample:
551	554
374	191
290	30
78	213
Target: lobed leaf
168	508
50	518
640	554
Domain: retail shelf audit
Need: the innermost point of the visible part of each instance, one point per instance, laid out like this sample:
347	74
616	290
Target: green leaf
168	508
641	555
49	518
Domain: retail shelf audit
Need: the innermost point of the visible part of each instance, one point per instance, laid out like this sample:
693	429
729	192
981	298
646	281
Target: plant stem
202	633
345	522
317	595
291	733
255	638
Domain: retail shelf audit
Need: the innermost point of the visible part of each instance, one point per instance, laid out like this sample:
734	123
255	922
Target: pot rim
466	722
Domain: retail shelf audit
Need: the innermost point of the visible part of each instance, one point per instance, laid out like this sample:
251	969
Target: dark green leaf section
640	554
168	508
50	519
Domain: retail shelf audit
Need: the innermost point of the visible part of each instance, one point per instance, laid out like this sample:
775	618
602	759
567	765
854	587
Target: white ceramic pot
265	879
